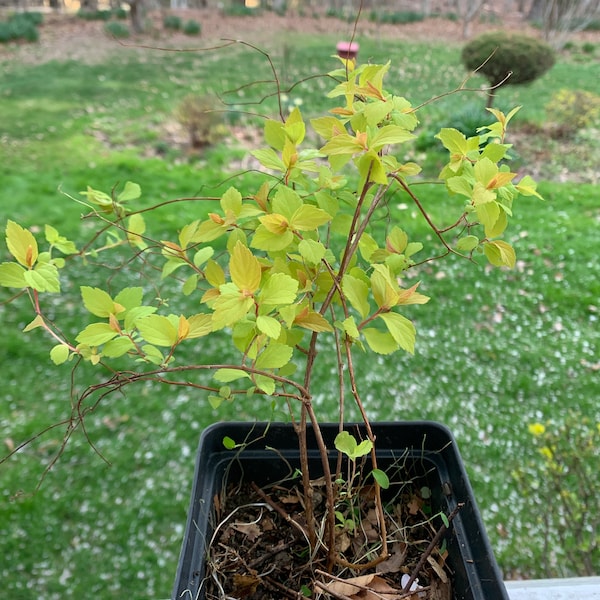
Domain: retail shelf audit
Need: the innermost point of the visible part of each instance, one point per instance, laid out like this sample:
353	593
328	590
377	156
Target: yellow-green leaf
96	334
245	269
269	326
200	325
309	218
37	322
274	134
390	134
357	292
312	251
313	321
131	191
43	278
158	330
59	354
500	253
278	290
136	227
12	275
228	375
97	301
402	330
21	244
230	306
274	356
117	347
231	201
379	341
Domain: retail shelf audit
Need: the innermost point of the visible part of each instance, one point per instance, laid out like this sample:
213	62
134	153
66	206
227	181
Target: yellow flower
536	429
546	452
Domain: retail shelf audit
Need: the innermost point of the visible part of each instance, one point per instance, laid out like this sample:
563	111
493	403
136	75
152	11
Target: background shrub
572	110
117	29
21	26
200	115
192	27
172	22
507	59
559	476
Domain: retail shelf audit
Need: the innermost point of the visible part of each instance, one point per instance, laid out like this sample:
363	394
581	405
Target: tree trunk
136	12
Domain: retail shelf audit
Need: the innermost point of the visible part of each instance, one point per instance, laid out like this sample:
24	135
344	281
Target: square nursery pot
426	447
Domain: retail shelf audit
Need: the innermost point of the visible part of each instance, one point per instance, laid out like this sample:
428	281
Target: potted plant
307	261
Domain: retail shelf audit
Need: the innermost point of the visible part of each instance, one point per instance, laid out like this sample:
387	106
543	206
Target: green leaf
21	244
309	218
453	140
278	290
500	254
229	443
271	242
269	159
231	201
244	269
203	255
274	134
274	356
527	187
59	241
158	330
312	251
153	354
135	313
97	301
117	347
381	478
402	330
59	354
131	191
357	292
12	275
265	384
326	126
346	444
230	306
269	326
43	278
190	285
199	326
229	375
130	297
37	322
96	334
390	134
379	341
136	226
467	243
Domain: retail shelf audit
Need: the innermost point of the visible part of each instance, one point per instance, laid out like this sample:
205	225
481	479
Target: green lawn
496	351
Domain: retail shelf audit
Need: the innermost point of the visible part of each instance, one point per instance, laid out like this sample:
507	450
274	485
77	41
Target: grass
496	350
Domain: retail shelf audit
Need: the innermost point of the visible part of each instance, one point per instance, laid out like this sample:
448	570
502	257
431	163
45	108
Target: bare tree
468	11
561	18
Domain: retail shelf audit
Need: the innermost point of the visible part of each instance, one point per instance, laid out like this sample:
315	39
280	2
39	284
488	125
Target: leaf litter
259	550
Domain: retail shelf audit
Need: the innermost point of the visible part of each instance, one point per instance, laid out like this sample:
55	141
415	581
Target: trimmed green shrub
172	22
117	29
192	27
507	58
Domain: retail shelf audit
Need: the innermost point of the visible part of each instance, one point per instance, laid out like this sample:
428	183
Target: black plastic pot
425	446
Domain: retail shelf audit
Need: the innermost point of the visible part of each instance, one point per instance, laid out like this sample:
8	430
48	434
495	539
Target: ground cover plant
128	521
